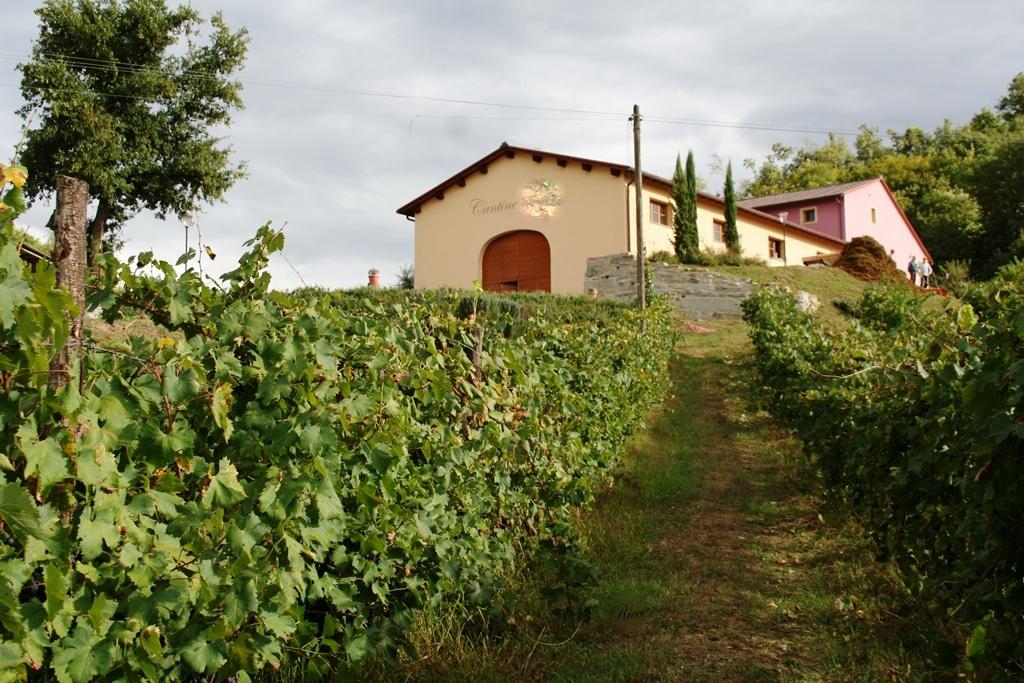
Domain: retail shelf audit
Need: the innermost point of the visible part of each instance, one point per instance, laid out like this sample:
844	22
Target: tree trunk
96	230
69	254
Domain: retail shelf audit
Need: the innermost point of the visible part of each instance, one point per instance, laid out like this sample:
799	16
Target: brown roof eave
412	208
31	254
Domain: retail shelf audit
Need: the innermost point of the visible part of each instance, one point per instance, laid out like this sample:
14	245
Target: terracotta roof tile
803	195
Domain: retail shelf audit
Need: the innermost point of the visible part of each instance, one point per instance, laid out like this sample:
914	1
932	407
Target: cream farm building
526	219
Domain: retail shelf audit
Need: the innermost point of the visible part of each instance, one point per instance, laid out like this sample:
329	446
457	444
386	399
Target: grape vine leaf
19	513
224	489
79	658
43	459
14	292
203	655
220	406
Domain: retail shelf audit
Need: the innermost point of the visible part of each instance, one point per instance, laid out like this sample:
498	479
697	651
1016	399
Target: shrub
913	416
955	277
289	475
709	257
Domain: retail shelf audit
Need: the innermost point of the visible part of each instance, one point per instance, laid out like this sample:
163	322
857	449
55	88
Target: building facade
857	209
527	219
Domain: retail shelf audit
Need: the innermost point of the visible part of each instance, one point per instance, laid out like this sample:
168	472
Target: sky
332	167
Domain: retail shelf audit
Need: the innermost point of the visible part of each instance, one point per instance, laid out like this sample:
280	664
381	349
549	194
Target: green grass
828	284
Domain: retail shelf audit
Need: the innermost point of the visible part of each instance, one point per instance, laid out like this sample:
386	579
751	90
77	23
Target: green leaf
357	645
10	612
380	459
179	311
423	525
150	639
966	318
976	643
220	406
100	613
15	198
14	292
327	501
19	513
10	656
81	657
179	387
95	530
44	459
56	591
281	625
204	656
224	489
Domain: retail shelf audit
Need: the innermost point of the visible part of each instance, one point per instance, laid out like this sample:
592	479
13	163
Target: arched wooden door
518	261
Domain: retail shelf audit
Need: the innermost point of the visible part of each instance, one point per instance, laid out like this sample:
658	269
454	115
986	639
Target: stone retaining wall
700	294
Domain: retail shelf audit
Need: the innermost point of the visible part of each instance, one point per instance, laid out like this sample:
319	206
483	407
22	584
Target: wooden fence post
69	259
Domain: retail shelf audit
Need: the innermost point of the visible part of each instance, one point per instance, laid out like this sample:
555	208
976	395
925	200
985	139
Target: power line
365	114
87	63
750	126
113	65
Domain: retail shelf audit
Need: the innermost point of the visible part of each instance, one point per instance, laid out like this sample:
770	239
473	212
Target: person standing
912	269
926	272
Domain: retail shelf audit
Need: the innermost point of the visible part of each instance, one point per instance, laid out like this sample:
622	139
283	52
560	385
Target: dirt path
740	547
717	562
747	578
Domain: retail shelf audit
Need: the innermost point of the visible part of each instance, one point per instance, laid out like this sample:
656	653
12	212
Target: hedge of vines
288	478
915	417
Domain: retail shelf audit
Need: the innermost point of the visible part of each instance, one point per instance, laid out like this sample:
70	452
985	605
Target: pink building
863	207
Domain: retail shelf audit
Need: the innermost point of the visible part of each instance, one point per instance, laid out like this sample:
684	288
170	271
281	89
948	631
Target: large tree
732	233
684	220
999	189
129	95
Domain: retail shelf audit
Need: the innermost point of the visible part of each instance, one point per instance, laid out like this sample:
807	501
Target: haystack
866	259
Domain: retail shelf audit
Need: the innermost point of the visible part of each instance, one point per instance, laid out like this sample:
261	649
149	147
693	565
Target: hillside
828	284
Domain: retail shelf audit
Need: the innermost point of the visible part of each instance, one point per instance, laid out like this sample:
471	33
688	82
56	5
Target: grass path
717	563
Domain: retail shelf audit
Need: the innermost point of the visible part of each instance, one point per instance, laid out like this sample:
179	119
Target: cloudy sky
335	166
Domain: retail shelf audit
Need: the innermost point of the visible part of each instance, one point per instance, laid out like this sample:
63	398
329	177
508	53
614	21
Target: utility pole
641	279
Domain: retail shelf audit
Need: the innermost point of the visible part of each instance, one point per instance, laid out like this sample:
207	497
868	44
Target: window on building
776	249
718	231
659	212
874	215
809	215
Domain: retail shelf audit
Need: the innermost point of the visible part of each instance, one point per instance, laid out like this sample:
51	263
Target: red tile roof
803	195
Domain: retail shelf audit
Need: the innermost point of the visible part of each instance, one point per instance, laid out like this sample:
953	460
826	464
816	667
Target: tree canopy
684	220
962	186
129	95
732	233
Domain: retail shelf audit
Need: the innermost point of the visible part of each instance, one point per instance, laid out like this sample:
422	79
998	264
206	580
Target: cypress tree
732	234
684	193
